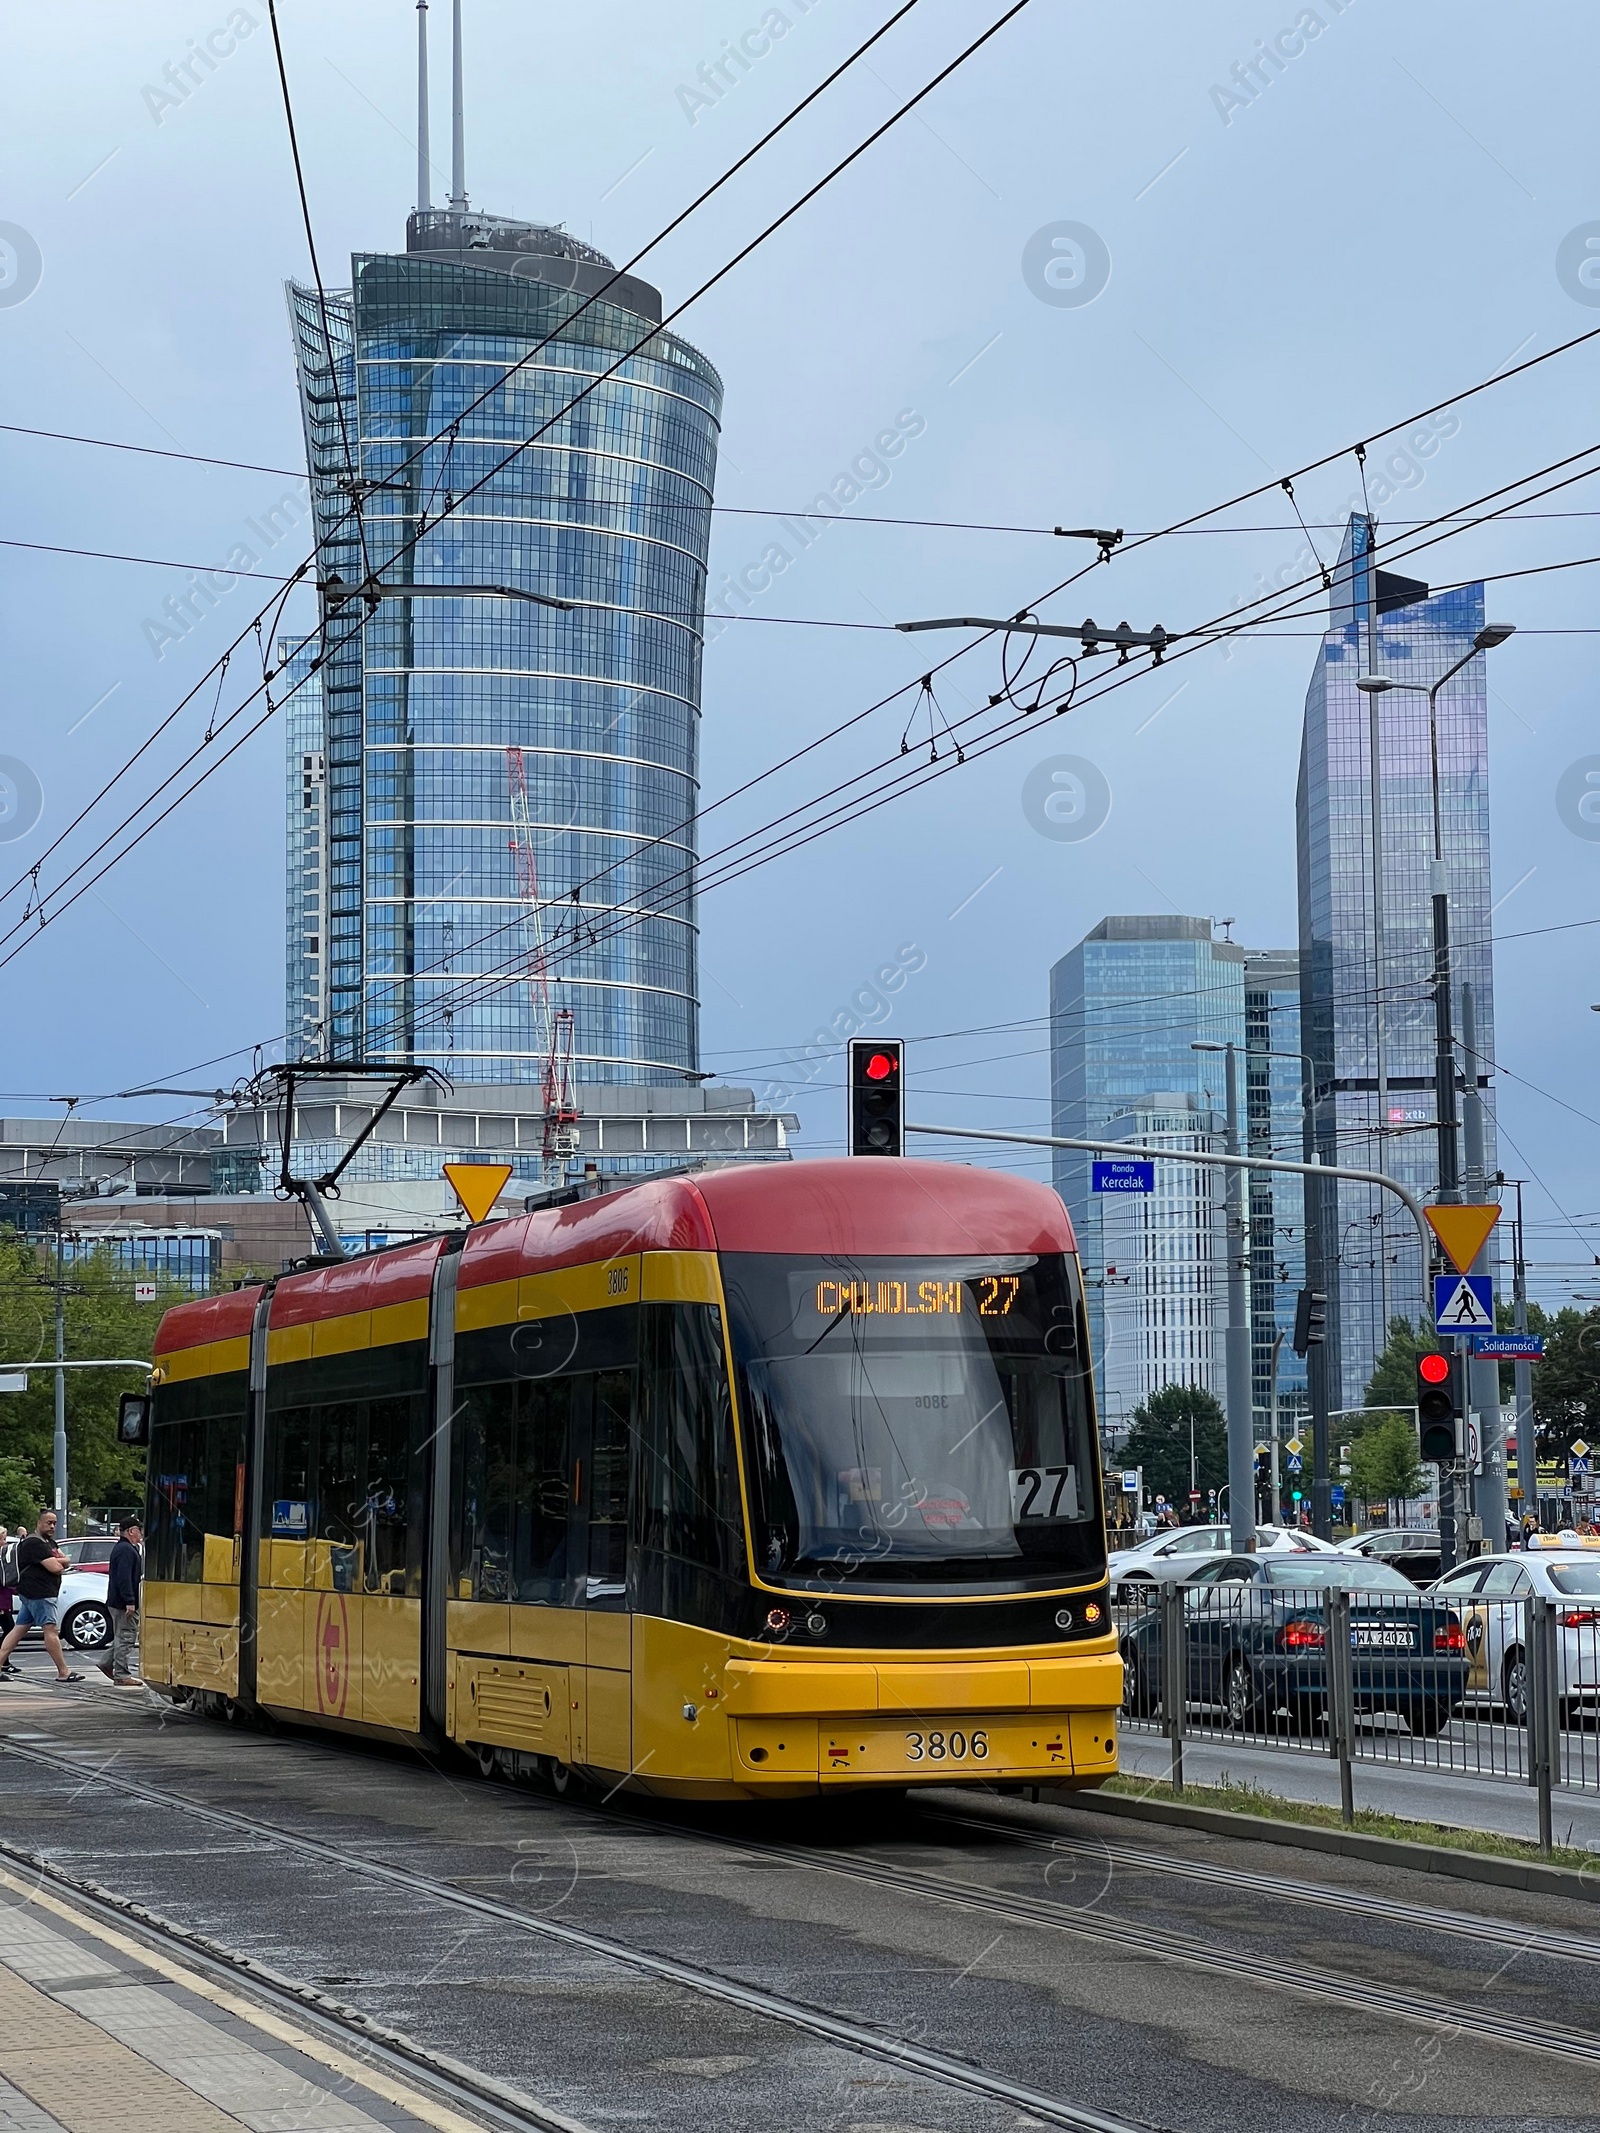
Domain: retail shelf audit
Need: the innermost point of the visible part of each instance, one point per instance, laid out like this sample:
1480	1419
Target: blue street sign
1575	1465
1124	1175
1296	1463
1463	1303
1510	1347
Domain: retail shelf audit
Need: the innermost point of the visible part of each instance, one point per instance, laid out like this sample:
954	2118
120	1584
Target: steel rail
490	2101
1496	1933
1145	1940
838	2029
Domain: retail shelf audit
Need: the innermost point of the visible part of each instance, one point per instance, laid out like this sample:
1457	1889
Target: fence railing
1480	1687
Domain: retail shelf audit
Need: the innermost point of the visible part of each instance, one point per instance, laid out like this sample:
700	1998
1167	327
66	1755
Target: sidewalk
1503	1805
100	2034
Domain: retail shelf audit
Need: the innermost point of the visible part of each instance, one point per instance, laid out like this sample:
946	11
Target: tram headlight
1092	1612
1063	1618
817	1624
777	1623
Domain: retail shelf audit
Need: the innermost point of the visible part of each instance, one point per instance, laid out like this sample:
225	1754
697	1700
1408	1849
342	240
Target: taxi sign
477	1185
1462	1231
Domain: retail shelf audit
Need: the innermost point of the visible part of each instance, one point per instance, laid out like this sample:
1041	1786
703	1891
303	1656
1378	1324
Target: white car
1492	1592
1178	1551
82	1616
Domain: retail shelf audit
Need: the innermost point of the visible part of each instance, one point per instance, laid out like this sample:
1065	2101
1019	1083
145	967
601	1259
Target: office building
1128	1005
505	771
1161	1322
1275	1123
1366	941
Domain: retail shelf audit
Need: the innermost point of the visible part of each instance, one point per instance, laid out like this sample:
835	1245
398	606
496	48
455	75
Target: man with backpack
40	1565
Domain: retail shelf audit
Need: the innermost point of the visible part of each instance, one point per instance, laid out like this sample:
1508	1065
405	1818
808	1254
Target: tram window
689	1509
193	1467
386	1520
543	1486
607	1490
484	1492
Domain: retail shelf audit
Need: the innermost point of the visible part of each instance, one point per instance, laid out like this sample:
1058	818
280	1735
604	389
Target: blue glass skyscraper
1366	959
429	709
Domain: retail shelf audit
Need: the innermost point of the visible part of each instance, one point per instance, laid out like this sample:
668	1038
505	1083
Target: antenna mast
424	186
458	144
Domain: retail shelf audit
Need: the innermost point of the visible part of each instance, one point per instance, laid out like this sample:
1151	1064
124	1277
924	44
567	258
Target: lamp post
1373	685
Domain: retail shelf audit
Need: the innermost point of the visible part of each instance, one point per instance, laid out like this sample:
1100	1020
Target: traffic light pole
1322	1479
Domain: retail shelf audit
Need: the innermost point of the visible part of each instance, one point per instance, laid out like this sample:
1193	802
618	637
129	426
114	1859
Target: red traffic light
1433	1369
880	1066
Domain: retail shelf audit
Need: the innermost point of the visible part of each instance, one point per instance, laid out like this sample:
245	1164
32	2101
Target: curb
1577	1883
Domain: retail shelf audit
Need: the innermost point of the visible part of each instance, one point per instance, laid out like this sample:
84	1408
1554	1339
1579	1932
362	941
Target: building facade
1366	939
1275	1126
432	711
1128	1005
1161	1322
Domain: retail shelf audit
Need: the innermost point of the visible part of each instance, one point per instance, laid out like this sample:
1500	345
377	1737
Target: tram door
602	1434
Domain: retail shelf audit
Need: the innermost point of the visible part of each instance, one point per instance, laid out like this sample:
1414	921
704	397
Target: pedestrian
40	1564
8	1590
124	1582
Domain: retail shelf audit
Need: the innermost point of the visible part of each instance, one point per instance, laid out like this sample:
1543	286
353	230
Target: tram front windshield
922	1422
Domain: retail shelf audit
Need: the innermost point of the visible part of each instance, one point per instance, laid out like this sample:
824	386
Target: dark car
1255	1640
1413	1551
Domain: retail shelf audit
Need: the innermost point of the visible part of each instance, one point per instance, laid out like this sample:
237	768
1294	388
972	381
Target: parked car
83	1616
1255	1638
87	1551
1412	1550
1176	1551
1492	1592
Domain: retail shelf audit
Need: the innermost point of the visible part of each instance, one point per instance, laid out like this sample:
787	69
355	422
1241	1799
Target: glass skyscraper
1367	1013
1126	1007
1275	1116
428	713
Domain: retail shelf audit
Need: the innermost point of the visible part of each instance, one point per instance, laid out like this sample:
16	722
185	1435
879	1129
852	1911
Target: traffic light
1441	1409
133	1418
1310	1320
877	1097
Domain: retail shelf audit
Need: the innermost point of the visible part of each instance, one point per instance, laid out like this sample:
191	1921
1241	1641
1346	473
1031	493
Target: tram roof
877	1207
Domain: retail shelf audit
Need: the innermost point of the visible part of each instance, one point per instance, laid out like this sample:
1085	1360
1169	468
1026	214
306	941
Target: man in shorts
39	1568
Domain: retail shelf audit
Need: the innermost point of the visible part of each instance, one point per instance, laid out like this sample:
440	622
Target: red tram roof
208	1318
876	1206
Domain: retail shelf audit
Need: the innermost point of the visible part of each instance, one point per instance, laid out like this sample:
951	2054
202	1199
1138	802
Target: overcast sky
1275	264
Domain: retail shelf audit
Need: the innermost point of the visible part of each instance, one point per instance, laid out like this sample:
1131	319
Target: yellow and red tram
754	1482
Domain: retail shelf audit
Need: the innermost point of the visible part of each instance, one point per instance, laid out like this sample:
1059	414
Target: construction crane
553	1024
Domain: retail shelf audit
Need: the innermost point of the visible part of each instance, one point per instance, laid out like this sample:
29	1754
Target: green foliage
1384	1467
1566	1385
102	1319
20	1501
1159	1442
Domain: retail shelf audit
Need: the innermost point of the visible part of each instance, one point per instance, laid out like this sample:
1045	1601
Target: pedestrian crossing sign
1463	1303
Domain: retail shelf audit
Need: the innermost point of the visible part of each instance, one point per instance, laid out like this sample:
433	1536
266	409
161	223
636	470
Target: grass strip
1248	1798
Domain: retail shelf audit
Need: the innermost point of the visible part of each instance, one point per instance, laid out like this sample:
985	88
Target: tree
102	1319
1566	1384
1158	1441
1384	1467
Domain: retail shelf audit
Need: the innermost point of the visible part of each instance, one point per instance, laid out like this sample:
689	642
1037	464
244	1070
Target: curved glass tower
439	707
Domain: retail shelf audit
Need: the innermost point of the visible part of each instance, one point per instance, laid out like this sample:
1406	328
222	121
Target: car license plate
1383	1640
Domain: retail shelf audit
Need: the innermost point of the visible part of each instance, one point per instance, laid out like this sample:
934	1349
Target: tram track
902	2053
1136	1938
1492	1933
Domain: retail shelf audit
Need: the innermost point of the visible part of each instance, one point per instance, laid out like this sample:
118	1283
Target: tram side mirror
133	1418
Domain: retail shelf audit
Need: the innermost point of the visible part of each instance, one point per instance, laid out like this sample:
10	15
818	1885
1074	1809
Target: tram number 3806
947	1747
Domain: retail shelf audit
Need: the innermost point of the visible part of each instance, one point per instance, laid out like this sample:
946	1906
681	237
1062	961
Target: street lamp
1373	686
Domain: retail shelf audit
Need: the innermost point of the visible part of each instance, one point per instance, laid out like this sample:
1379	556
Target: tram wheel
564	1781
488	1761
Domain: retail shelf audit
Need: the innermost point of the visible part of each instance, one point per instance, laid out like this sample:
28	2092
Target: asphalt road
1107	1983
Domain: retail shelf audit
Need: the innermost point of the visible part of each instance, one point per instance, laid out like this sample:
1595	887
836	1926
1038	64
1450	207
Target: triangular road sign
477	1185
1462	1230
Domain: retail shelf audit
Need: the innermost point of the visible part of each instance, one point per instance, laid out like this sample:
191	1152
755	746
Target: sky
1118	269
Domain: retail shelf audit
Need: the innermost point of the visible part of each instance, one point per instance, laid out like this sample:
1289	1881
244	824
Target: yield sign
477	1185
1462	1230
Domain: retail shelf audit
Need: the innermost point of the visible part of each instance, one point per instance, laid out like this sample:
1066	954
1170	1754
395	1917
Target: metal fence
1507	1689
